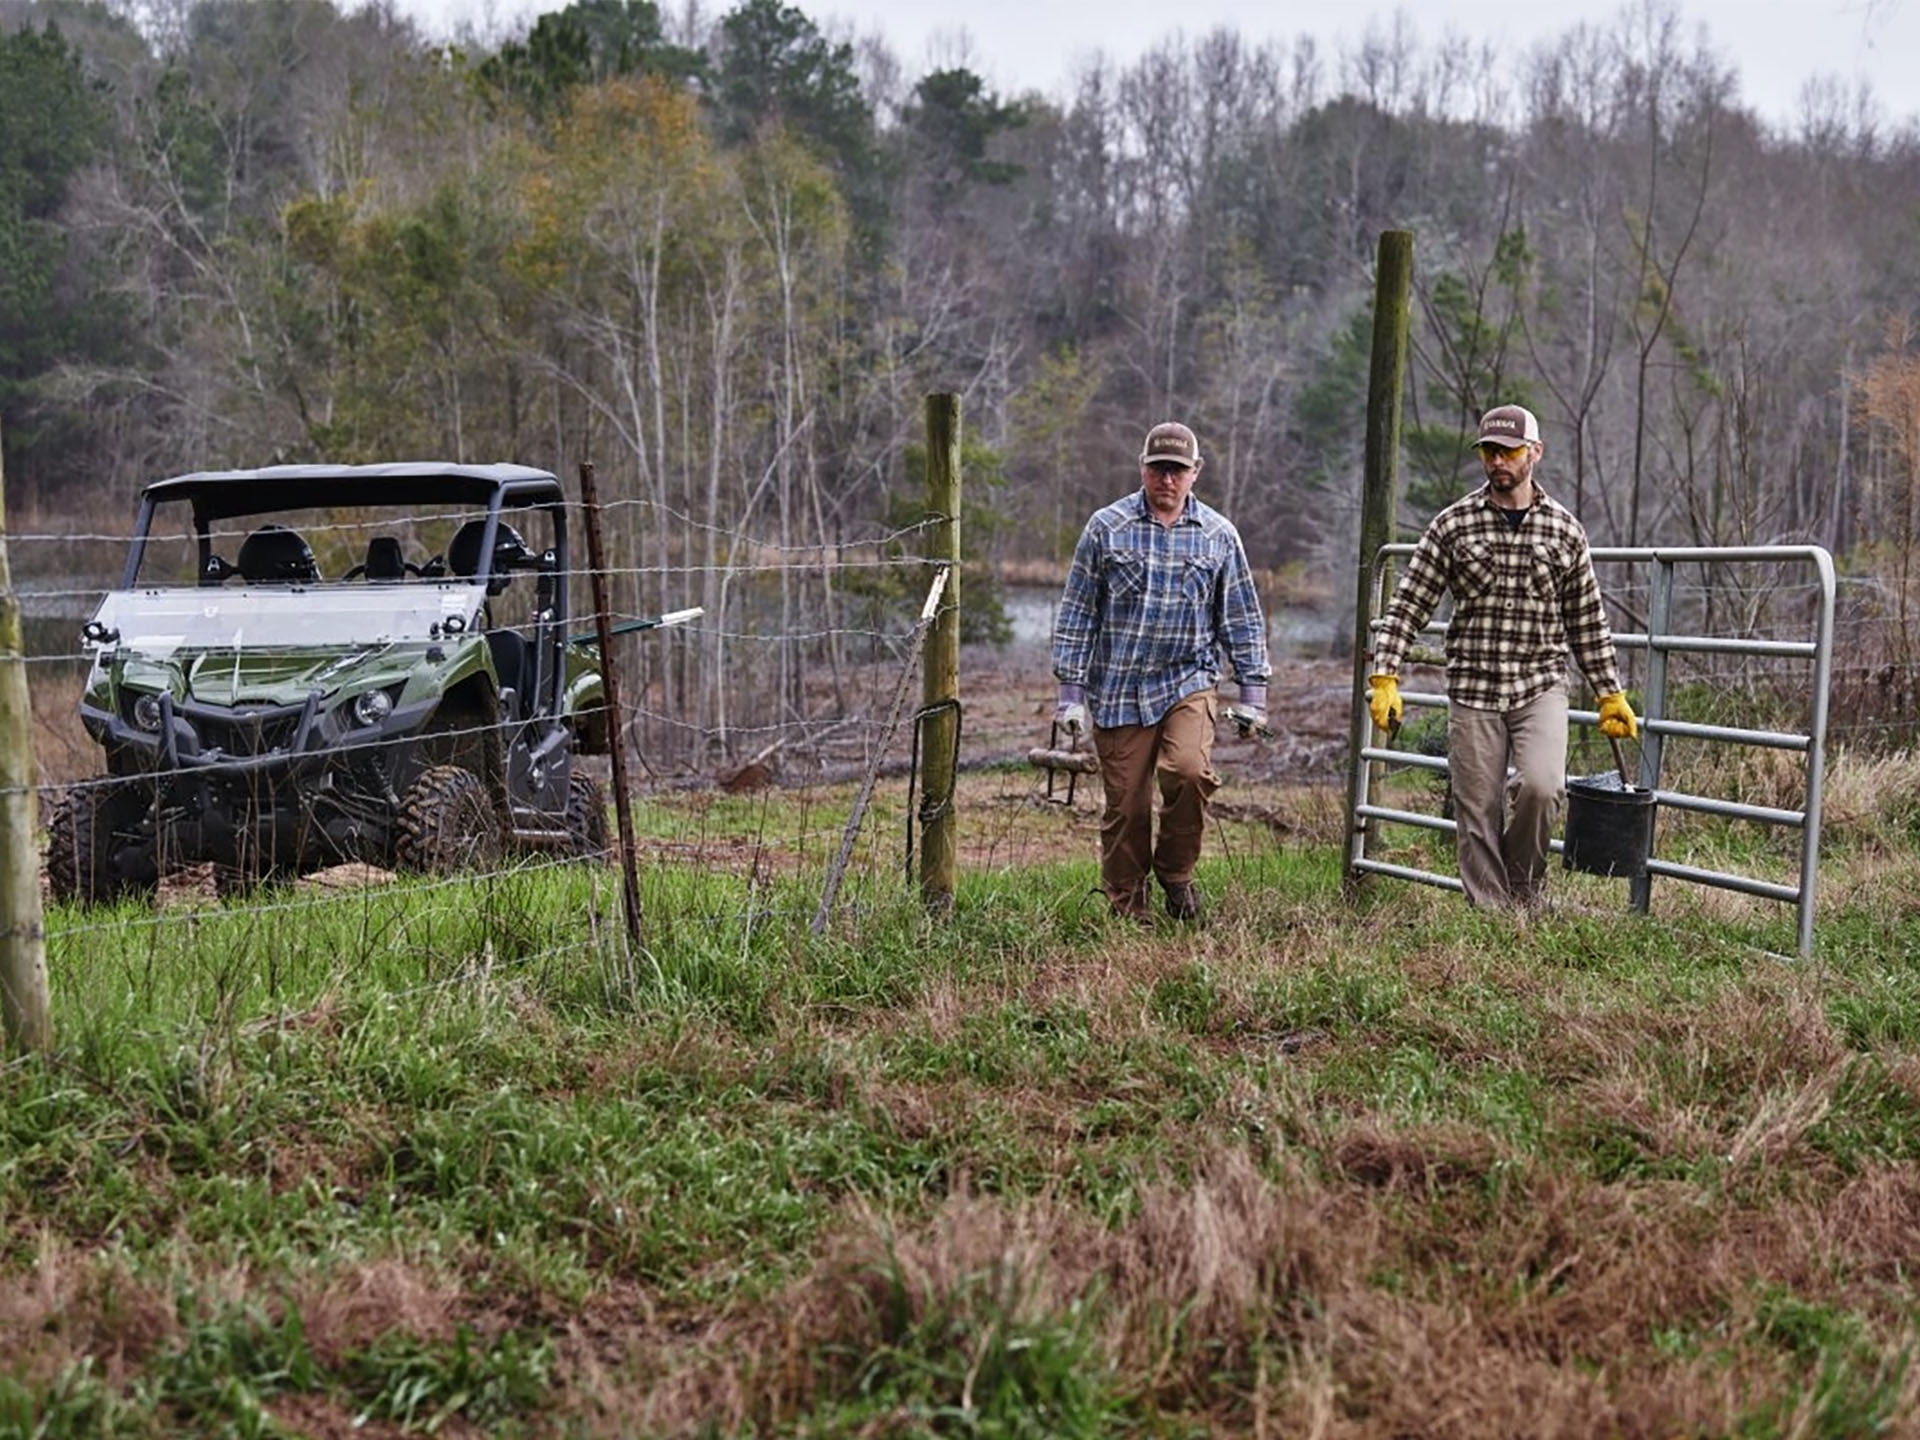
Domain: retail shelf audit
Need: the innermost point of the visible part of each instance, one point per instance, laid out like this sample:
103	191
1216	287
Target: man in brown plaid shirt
1524	595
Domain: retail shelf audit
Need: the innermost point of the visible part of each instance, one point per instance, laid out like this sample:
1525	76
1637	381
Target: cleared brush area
438	1158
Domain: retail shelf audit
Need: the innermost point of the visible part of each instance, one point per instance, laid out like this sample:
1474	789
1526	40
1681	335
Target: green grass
432	1158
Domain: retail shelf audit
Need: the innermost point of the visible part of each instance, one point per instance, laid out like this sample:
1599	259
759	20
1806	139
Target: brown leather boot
1183	901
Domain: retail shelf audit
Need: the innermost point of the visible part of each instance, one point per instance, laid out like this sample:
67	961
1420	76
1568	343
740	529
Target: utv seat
509	550
385	560
275	555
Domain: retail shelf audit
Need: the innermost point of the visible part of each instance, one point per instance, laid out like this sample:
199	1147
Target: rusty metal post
609	681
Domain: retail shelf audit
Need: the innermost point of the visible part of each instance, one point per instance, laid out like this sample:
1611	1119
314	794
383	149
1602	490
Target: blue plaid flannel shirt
1148	607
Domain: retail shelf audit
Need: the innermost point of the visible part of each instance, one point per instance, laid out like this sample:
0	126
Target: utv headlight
147	713
370	707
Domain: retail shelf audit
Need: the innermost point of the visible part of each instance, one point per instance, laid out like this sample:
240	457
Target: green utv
311	664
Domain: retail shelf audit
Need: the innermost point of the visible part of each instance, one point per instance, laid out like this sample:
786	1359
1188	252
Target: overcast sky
1776	45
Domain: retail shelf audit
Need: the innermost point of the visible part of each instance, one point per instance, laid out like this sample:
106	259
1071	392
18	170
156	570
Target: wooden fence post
23	937
1392	283
940	690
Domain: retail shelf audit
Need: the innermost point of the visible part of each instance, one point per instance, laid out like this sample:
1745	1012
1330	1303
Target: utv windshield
281	617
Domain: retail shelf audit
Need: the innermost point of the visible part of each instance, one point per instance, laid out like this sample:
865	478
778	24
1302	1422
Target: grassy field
415	1158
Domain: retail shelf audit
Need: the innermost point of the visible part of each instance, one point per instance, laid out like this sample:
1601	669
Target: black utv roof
224	494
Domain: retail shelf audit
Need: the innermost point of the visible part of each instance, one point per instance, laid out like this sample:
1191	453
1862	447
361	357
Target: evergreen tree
53	121
776	70
951	124
589	41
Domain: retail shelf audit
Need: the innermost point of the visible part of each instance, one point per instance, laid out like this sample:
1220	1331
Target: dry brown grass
355	1304
1539	1324
62	751
1363	1278
1379	1171
76	1304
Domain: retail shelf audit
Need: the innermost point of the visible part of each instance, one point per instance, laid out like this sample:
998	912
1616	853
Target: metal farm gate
1666	635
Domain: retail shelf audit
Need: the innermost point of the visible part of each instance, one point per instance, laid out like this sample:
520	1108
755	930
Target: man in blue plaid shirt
1159	586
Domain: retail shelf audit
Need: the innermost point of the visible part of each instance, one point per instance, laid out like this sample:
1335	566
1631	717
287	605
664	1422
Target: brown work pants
1178	755
1505	821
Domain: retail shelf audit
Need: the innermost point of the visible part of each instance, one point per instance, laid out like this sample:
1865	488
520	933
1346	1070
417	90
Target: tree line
723	256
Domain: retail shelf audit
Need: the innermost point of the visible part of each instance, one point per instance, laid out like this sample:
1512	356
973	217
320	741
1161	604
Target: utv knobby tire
84	862
586	816
447	824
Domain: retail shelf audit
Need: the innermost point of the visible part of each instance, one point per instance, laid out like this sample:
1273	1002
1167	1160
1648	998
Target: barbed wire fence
749	728
752	729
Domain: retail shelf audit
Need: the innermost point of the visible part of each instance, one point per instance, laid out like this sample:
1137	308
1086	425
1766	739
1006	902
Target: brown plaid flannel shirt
1522	598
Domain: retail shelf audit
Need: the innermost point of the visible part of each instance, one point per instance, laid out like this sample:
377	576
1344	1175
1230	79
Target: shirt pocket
1475	571
1546	564
1125	576
1197	577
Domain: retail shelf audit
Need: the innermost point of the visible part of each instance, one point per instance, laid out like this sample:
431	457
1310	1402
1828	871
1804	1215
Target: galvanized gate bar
1409	758
1405	872
1725	645
1658	642
1730	809
1408	817
1817	755
1721	880
1768	739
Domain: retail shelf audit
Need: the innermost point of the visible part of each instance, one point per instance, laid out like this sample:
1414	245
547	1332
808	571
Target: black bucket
1609	826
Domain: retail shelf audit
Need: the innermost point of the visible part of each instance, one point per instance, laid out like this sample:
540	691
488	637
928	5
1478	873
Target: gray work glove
1070	711
1250	714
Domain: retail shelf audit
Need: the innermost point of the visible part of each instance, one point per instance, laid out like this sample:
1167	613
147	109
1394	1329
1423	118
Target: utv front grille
246	732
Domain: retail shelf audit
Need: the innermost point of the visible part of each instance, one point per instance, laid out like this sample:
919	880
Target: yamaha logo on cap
1509	425
1170	443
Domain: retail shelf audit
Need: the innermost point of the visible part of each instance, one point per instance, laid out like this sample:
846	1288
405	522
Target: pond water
1289	632
50	627
53	624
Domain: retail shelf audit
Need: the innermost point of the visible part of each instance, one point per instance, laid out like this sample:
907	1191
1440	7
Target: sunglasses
1494	450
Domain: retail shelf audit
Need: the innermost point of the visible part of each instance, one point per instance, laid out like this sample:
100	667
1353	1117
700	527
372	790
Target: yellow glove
1385	701
1616	717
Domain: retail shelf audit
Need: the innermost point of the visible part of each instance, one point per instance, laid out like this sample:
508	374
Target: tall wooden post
610	685
940	691
23	936
1392	284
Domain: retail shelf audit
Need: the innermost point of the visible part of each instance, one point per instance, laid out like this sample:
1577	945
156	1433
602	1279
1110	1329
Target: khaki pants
1505	822
1175	756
